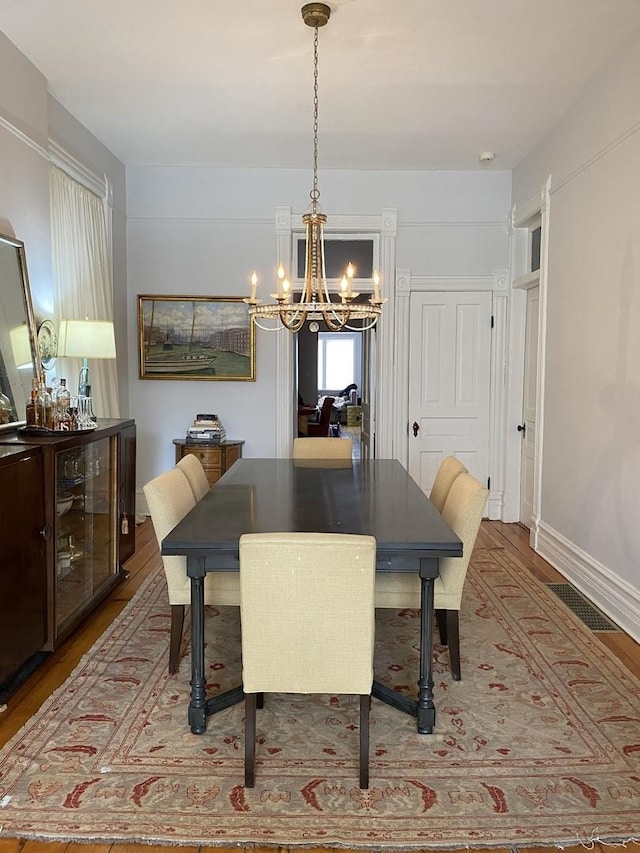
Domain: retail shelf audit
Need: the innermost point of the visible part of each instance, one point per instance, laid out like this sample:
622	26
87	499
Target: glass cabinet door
85	526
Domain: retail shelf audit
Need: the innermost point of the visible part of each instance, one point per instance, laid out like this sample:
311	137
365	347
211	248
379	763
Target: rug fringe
173	842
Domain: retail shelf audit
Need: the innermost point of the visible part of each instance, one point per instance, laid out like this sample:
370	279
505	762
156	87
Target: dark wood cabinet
215	458
127	492
86	486
23	562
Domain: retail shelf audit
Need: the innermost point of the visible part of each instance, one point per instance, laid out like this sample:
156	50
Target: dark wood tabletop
373	497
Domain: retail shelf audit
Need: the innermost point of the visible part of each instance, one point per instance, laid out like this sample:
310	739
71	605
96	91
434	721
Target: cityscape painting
195	337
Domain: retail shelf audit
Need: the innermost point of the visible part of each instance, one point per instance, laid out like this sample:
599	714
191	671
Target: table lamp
86	339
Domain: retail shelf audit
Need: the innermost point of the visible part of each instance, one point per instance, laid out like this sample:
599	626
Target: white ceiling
404	84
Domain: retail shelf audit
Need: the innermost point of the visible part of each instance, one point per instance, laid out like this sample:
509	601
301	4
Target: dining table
374	497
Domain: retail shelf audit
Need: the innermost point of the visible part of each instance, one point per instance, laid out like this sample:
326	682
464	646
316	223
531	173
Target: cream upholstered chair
322	448
169	498
463	513
192	468
308	622
447	471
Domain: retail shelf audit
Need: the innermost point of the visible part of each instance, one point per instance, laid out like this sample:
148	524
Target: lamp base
84	380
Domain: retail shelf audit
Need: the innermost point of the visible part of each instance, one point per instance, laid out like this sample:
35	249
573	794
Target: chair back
447	472
307	612
322	448
192	468
169	498
322	427
463	512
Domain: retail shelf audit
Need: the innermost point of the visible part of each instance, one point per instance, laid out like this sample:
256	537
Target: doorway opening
330	364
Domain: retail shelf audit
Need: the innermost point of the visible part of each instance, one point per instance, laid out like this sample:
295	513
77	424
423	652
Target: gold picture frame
195	337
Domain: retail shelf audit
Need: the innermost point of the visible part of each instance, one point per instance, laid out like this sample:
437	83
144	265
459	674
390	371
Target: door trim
384	226
534	210
498	285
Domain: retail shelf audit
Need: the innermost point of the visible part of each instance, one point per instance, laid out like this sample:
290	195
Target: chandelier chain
315	192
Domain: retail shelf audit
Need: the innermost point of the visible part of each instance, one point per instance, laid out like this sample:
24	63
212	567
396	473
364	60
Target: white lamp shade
86	339
21	346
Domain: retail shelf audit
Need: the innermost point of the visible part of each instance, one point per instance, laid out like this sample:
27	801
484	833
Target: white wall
24	175
591	430
28	117
201	231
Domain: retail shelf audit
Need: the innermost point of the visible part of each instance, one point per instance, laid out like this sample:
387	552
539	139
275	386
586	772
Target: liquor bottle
63	406
34	410
47	408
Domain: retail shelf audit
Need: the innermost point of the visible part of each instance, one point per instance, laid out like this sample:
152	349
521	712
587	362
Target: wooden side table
215	458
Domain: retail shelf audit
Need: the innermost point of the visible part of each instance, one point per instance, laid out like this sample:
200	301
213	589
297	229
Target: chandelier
341	308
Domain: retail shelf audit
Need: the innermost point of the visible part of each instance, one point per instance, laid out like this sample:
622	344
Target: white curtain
82	279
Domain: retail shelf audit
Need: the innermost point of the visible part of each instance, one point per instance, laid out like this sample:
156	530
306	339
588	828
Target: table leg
197	714
426	710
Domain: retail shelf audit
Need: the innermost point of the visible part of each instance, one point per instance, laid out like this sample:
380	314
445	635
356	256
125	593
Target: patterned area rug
538	744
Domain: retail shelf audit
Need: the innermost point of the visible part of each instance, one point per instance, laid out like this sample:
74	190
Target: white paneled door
449	370
527	427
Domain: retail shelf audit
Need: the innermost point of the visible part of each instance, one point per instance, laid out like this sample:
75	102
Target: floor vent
593	618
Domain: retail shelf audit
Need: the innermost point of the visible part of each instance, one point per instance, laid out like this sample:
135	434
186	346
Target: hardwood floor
26	701
353	433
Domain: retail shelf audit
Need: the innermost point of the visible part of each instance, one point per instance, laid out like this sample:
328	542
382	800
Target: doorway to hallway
332	364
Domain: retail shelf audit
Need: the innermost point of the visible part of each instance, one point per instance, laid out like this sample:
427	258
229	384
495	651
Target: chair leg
249	740
259	700
453	633
177	624
441	620
365	704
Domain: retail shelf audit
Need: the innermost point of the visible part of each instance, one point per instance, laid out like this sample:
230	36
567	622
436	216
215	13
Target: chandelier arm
279	327
294	325
334	321
323	282
361	328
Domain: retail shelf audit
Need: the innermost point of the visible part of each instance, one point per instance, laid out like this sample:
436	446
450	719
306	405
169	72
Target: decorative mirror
17	334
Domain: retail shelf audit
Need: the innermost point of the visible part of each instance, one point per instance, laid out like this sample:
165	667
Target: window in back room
339	360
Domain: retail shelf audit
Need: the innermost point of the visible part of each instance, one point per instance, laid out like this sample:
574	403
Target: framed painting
195	337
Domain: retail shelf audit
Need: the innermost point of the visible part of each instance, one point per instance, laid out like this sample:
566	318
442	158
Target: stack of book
206	429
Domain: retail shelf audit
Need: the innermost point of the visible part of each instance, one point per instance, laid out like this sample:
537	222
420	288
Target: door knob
416	429
522	428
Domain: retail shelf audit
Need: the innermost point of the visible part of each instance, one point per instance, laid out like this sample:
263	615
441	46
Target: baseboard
495	505
613	595
141	504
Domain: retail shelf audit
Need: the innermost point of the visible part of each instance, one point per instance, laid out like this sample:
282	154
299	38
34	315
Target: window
536	236
339	356
337	254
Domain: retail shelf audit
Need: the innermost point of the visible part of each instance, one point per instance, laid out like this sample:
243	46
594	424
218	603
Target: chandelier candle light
315	302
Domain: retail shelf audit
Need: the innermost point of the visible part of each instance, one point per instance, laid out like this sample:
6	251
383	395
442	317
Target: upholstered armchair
322	427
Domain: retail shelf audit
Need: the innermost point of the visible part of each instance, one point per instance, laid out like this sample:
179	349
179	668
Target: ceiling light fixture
340	308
